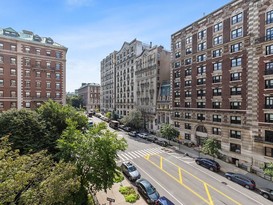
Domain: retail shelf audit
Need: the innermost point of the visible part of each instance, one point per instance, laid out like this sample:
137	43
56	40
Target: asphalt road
181	180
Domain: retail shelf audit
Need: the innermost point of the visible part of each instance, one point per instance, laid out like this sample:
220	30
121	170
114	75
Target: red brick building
32	70
222	81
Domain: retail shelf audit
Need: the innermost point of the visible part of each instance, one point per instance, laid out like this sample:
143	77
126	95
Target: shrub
129	193
132	198
118	177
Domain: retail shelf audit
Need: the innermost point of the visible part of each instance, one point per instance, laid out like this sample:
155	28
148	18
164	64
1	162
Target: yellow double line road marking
180	181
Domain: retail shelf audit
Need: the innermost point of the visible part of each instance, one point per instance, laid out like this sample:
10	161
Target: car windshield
150	190
131	169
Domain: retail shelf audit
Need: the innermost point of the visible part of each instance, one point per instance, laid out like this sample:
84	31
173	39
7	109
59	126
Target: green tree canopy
108	115
211	147
26	129
134	119
94	154
75	101
268	170
168	132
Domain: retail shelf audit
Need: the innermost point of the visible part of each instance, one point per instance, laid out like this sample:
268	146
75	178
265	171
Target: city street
180	179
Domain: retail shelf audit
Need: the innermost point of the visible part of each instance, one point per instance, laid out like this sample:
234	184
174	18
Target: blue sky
91	29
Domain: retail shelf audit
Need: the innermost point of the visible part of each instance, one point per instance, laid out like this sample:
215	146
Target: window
177	124
38	51
201	58
217	53
187	115
188	40
236	33
269	50
13	47
235	47
27	94
1	104
269	102
202	34
269	17
235	105
188	61
12	82
216	131
38	84
217	92
216	118
48	53
187	126
177	74
177	114
187	104
48	95
1	82
218	40
236	62
27	104
218	27
176	94
13	104
235	119
1	59
27	49
188	72
48	85
176	104
188	93
188	83
58	95
58	85
38	94
237	18
235	148
13	94
1	71
216	105
269	117
27	73
48	75
177	64
1	93
13	61
38	74
217	66
268	151
201	81
48	64
58	66
235	134
235	76
200	116
177	54
201	70
188	51
201	93
58	76
58	54
268	136
177	84
178	44
235	91
38	64
201	104
27	62
1	45
27	84
217	79
269	83
187	136
12	71
202	46
269	68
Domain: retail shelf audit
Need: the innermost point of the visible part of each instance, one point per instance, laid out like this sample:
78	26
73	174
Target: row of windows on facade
13	61
26	104
58	54
38	84
218	118
28	73
28	94
238	18
124	53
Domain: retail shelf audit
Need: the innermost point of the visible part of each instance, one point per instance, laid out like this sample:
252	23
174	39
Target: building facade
222	81
108	73
90	93
32	70
152	69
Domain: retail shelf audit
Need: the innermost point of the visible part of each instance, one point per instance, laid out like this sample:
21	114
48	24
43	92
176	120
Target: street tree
108	115
26	129
168	132
75	101
211	147
134	119
36	179
268	170
93	153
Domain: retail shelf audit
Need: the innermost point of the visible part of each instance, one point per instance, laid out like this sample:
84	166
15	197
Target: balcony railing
268	72
268	106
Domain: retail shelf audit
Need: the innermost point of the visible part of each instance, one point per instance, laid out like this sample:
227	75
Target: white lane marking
159	184
134	154
141	152
222	181
127	155
121	157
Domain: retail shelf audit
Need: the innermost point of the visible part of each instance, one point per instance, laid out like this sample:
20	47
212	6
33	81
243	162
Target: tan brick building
90	93
32	70
222	80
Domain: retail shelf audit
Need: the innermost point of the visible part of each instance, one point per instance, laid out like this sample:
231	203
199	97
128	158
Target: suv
208	163
147	190
130	171
241	179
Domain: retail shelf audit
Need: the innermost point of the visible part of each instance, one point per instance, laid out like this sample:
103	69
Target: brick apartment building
32	70
90	93
222	81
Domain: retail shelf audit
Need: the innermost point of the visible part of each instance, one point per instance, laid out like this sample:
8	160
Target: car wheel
229	178
265	195
130	178
246	186
211	169
197	162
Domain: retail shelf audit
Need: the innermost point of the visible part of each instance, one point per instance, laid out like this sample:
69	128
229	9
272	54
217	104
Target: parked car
151	138
266	193
129	170
142	135
90	123
163	201
241	179
208	163
162	143
133	133
127	129
147	190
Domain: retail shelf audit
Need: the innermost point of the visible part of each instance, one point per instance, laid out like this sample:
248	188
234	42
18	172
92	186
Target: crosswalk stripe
127	155
134	154
139	153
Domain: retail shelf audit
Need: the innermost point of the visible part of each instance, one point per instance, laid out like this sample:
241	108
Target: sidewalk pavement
115	194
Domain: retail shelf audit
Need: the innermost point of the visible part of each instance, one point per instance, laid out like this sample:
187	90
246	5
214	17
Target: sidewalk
115	194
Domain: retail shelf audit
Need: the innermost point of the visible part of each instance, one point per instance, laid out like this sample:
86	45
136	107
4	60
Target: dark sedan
241	179
147	190
266	193
208	163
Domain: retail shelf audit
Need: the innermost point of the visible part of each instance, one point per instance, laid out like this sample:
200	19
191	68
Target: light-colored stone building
222	81
90	92
152	69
